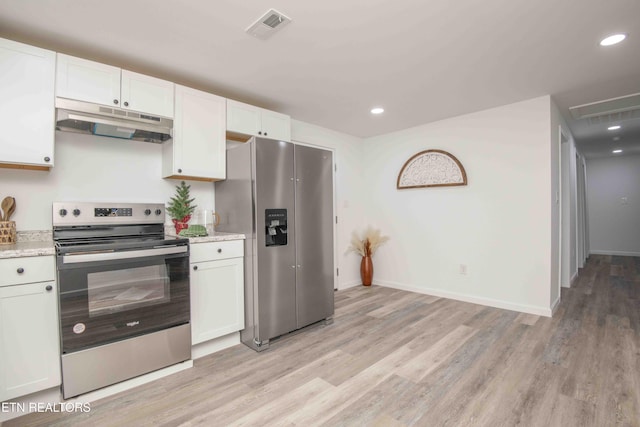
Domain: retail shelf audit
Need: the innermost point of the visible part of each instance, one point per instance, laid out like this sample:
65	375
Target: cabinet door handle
49	288
179	170
259	132
47	159
115	101
126	104
265	134
219	250
195	267
20	270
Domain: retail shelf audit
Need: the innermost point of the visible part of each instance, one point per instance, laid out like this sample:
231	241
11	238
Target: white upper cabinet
198	147
146	94
89	81
27	112
276	125
245	119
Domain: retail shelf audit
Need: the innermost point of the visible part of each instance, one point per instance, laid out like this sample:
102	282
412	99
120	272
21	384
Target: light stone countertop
216	236
40	243
27	248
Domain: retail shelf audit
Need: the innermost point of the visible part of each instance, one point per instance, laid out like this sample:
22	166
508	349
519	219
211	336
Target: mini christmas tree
180	207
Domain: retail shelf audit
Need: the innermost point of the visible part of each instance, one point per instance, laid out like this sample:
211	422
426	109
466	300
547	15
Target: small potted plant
366	245
180	207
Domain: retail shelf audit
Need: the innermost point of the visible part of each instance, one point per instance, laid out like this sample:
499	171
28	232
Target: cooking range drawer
212	251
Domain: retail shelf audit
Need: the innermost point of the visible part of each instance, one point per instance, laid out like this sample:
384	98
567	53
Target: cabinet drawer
16	271
212	251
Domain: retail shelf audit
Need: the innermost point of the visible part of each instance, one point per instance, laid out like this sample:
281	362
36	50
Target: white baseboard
615	253
523	308
210	347
555	305
573	279
347	285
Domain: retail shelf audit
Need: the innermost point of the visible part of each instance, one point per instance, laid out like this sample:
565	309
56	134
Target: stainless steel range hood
95	119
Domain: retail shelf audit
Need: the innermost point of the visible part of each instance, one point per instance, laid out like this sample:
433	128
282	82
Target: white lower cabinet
217	289
29	337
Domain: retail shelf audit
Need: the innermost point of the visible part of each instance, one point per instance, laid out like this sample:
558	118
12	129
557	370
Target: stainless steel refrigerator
281	196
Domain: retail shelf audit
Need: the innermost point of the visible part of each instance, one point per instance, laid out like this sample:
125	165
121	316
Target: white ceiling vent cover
268	24
622	108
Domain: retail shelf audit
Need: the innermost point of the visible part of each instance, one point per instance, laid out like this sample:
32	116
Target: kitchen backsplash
89	168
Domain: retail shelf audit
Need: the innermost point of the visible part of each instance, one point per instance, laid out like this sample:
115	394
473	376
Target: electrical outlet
463	269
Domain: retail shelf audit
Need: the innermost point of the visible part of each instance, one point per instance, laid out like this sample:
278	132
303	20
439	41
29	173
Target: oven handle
108	256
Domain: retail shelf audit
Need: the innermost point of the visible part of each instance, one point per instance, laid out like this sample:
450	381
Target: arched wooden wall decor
432	168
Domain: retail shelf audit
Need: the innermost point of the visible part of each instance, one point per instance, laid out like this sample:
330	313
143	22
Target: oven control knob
147	212
76	212
158	211
62	212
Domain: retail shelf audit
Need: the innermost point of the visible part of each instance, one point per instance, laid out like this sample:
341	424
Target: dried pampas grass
357	244
368	242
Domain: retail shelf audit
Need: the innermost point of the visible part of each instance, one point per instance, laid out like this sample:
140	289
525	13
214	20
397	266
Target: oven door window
127	289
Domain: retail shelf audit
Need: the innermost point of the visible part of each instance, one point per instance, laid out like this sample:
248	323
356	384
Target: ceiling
421	60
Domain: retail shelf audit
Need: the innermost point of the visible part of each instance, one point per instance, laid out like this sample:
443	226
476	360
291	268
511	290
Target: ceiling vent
268	24
610	110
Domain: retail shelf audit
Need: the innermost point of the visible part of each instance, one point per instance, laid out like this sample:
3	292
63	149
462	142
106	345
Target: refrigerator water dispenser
275	221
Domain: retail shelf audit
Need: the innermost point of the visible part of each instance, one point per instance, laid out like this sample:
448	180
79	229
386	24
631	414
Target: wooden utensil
6	203
11	210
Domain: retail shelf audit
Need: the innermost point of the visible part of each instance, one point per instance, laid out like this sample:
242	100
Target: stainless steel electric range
123	293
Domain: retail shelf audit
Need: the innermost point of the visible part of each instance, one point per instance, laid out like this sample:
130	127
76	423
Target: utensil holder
7	232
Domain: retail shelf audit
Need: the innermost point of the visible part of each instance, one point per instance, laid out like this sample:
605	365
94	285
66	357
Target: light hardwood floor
394	358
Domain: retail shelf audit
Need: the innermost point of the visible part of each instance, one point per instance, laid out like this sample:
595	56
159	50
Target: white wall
499	225
613	225
350	198
89	168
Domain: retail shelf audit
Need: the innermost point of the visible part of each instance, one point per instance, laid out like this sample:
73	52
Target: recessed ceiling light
616	127
617	151
377	110
612	39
